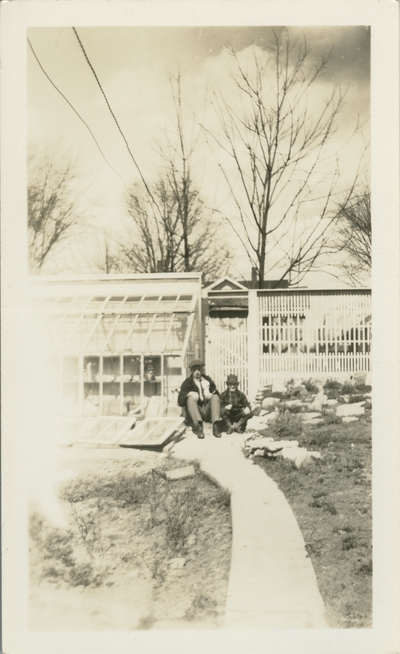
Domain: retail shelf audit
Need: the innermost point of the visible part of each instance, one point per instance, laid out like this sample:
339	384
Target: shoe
229	426
200	431
216	431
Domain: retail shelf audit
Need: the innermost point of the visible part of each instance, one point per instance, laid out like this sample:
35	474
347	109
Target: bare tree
161	239
277	159
53	205
173	230
354	232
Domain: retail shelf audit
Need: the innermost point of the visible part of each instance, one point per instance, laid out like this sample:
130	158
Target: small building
120	342
119	345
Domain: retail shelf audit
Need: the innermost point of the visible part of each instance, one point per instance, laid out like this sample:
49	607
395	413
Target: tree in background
278	157
171	229
355	234
54	205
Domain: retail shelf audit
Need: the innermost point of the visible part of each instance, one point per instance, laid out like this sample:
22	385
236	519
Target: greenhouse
120	345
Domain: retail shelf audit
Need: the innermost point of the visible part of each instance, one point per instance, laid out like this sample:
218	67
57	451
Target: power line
73	108
115	119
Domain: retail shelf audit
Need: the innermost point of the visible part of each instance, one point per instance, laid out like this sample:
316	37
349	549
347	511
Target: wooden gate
227	350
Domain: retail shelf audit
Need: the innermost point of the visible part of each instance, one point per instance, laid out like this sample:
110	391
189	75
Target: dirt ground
332	502
141	552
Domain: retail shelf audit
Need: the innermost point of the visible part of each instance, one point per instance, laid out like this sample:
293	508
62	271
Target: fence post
253	346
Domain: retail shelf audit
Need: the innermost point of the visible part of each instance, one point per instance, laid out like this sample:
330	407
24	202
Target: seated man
235	407
200	399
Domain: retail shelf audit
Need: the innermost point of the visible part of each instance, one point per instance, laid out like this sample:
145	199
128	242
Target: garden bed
331	499
140	552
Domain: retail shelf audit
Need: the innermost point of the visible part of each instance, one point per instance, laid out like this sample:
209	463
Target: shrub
85	574
355	398
295	390
57	545
201	604
310	386
285	426
332	388
349	542
182	508
348	388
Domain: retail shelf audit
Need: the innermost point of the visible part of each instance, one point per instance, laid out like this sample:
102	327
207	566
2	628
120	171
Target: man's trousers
209	412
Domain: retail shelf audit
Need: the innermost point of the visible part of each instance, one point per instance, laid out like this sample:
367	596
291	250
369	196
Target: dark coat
190	385
237	399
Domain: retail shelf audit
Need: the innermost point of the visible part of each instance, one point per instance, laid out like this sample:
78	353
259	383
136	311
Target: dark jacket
237	399
190	385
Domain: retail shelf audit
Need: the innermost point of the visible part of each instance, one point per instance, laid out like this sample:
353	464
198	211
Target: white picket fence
300	334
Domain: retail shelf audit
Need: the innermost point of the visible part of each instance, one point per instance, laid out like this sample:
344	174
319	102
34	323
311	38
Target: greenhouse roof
101	323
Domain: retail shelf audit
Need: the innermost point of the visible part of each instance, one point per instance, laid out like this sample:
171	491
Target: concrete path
272	583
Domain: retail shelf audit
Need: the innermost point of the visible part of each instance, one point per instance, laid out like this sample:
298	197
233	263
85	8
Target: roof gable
226	284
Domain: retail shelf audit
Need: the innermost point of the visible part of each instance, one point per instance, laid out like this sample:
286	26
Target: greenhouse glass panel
156	339
111	386
70	384
91	386
168	303
151	432
150	304
176	337
98	341
138	338
118	341
152	376
65	330
132	376
114	303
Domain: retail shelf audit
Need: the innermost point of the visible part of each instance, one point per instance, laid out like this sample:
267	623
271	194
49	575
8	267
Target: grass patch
332	504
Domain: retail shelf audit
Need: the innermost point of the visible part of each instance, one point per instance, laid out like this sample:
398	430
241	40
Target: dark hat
196	362
232	379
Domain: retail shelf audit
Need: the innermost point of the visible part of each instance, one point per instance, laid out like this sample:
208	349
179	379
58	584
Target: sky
133	65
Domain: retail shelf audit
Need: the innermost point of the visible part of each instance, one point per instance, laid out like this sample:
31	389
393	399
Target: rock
349	419
368	379
278	387
360	377
310	415
270	403
258	453
180	473
331	402
299	455
313	421
192	540
355	409
290	403
318	402
177	563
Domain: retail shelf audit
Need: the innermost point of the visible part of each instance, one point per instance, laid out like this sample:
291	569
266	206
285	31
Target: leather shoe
229	430
216	431
200	430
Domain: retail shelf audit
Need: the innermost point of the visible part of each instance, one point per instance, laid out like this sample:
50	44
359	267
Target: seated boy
235	407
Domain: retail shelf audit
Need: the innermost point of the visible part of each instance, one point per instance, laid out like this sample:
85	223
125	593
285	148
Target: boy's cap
195	363
232	379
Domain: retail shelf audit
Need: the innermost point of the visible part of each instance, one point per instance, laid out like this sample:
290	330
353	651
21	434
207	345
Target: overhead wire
76	112
115	119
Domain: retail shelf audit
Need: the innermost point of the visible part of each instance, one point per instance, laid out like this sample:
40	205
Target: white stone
331	402
349	419
299	455
319	401
257	423
177	563
270	402
355	409
278	387
368	380
310	415
313	421
291	403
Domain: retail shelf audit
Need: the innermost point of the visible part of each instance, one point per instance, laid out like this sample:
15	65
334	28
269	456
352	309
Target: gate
227	350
